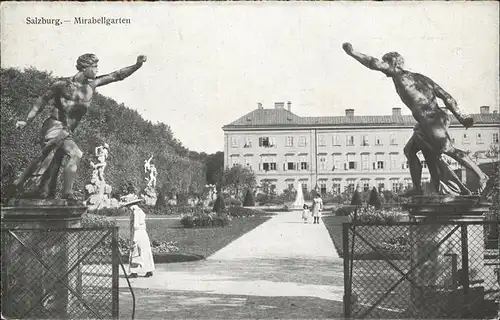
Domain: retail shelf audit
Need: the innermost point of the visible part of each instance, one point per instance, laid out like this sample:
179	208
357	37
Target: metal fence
420	270
60	273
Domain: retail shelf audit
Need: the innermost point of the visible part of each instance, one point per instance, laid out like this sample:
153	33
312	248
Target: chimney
259	105
349	112
484	110
279	105
396	112
289	106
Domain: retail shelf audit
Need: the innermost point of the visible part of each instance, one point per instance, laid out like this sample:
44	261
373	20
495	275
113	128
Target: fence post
465	269
347	280
115	281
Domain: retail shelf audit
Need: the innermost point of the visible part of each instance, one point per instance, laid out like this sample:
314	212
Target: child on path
305	213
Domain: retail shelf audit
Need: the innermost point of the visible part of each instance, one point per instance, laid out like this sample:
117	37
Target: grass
200	241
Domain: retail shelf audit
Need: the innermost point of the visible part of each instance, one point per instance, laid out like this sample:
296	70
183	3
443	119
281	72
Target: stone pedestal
38	250
454	274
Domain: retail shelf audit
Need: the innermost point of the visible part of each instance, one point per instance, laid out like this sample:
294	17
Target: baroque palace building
334	154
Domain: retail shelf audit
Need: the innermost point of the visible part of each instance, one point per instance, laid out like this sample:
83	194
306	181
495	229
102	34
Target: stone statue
149	194
72	97
98	191
419	93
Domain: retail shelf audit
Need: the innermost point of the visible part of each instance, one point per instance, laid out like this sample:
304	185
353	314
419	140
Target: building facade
338	153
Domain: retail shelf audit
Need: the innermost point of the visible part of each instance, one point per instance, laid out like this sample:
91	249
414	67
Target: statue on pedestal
151	173
98	190
72	97
420	94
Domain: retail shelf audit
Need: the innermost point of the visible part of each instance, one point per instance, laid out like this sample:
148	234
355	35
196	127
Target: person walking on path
141	256
317	207
305	213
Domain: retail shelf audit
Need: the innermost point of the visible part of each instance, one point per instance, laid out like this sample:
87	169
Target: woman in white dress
317	207
141	256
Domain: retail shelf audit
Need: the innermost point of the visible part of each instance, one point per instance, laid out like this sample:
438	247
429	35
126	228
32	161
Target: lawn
200	241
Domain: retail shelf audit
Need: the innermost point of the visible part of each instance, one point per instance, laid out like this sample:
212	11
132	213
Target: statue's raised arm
119	74
368	61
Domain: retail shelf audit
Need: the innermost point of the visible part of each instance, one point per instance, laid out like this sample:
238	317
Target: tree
356	199
214	164
219	204
249	199
238	178
374	199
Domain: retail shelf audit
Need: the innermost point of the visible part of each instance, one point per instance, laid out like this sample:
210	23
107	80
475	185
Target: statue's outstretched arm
119	74
368	61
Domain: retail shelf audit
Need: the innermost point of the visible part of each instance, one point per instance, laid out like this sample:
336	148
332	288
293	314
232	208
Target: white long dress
141	256
317	207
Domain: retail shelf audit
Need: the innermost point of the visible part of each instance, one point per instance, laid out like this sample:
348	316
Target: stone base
439	215
39	225
42	213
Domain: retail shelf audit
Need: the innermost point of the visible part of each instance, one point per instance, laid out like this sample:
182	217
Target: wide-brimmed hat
130	203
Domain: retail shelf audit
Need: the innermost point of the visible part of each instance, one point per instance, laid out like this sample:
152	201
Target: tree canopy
131	139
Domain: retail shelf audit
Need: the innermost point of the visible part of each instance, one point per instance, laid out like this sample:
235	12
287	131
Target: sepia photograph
237	160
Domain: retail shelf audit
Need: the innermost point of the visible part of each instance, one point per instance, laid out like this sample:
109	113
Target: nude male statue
419	93
72	97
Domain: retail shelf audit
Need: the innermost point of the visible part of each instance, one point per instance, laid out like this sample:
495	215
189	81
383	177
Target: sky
211	63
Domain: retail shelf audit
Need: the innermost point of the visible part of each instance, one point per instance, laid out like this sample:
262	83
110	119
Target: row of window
395	184
350	140
364	162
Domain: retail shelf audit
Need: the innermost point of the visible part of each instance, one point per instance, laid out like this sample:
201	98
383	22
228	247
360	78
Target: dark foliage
374	199
249	199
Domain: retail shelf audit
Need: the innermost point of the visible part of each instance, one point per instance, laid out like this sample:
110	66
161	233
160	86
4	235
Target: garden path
281	269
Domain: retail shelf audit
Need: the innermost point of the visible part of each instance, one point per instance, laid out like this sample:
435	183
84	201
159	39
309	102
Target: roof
284	118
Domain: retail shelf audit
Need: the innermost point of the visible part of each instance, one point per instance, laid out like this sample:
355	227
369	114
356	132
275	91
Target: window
366	186
290	163
378	140
364	141
365	161
235	160
289	141
351	163
479	138
248	142
407	183
303	162
322	162
336	140
465	139
495	138
268	163
394	163
248	160
393	140
396	186
290	186
351	186
381	187
302	141
304	187
350	140
424	164
234	142
379	161
267	142
336	187
321	141
336	162
322	187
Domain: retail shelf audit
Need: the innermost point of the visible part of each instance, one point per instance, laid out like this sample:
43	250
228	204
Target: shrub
271	202
90	220
233	202
204	219
249	200
374	199
344	211
241	212
371	214
219	204
110	212
356	199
